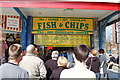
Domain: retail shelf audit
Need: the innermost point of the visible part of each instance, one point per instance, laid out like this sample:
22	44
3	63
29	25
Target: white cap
55	54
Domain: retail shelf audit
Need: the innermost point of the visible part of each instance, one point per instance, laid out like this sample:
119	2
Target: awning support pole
29	26
23	38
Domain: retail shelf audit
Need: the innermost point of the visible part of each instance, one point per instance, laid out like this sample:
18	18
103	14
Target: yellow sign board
62	25
62	40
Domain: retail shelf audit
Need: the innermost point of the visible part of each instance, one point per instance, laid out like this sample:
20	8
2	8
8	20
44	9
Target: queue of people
77	63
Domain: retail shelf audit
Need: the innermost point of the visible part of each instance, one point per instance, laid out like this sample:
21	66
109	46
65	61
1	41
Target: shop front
62	32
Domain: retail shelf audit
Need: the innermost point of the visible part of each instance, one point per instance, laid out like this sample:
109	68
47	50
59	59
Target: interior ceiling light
39	13
68	9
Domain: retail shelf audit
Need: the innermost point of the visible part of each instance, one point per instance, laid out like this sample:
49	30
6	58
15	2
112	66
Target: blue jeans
97	76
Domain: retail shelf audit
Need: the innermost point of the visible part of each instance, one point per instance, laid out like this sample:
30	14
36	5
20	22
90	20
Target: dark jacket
112	59
48	57
50	66
56	74
94	62
118	60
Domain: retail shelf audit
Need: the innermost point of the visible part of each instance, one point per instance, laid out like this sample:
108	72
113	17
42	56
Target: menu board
61	40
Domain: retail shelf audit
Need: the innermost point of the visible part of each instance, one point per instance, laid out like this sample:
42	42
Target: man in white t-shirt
79	70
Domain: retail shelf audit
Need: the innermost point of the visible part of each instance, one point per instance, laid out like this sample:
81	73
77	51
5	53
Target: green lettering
41	19
77	25
86	26
53	24
67	24
39	25
48	24
44	25
72	24
81	25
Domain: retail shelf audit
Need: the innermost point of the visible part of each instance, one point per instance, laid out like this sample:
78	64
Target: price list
62	40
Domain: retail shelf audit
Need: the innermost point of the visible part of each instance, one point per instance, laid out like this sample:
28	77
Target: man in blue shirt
11	69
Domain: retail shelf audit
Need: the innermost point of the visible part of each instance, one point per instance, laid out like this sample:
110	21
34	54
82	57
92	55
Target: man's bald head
30	48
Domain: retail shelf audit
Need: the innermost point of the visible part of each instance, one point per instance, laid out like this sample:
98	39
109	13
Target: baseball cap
55	54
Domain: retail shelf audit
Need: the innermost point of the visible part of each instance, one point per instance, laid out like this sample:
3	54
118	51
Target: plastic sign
62	25
12	22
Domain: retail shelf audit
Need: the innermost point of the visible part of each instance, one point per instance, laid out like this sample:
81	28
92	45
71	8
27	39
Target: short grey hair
30	48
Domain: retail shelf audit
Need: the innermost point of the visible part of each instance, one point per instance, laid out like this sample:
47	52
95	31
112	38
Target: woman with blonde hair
62	64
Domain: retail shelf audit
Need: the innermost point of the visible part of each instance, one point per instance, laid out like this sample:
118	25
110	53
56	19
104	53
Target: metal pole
119	60
28	31
119	53
23	38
